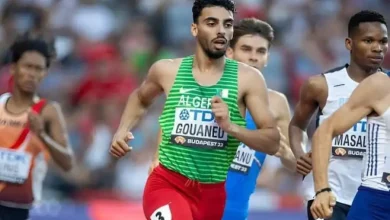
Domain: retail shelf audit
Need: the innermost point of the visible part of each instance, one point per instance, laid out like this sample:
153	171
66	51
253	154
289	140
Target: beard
212	54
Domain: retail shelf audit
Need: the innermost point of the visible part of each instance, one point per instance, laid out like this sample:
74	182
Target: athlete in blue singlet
250	44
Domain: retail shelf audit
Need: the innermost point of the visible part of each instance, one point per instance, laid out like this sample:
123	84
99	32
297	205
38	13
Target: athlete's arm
142	97
266	137
281	110
360	104
304	110
55	136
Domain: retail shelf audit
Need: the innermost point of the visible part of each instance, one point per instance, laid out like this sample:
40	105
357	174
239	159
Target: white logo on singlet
183	90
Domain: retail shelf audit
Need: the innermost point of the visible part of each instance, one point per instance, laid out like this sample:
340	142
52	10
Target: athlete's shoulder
164	68
248	72
376	81
335	69
315	83
371	90
52	110
273	94
166	64
320	78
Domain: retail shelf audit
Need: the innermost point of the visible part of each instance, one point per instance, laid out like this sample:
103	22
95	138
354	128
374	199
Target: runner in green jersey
202	122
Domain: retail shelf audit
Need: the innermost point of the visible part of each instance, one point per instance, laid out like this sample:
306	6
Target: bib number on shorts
196	127
352	143
14	166
162	213
243	160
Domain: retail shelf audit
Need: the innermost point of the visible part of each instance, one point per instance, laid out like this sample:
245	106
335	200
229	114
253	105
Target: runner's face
250	49
214	30
369	44
29	71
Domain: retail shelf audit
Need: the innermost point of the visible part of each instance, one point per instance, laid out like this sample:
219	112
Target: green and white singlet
192	142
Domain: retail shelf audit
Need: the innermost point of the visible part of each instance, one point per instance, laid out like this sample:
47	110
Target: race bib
352	143
196	127
386	173
14	166
243	160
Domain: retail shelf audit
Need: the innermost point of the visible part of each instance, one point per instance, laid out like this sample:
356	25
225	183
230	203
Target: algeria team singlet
192	142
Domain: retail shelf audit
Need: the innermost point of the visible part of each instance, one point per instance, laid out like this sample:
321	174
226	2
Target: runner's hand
153	165
36	122
304	164
119	146
221	112
322	206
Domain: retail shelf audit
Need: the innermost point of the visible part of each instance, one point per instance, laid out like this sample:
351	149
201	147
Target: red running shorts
169	195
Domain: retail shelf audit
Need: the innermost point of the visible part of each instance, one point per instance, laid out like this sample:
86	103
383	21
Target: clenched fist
119	146
323	204
36	122
304	164
221	112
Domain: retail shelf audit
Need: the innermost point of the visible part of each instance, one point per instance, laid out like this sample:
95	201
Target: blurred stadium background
104	49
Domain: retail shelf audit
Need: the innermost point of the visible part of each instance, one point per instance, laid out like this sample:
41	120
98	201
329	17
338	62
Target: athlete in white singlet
371	98
367	42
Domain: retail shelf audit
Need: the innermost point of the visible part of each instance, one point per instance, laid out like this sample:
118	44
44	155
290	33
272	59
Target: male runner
251	41
32	130
202	121
370	99
367	43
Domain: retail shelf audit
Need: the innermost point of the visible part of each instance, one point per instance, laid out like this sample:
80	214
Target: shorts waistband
185	180
378	191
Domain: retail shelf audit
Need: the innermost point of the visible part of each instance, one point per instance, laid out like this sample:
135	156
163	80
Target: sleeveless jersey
192	142
348	149
377	165
242	176
23	168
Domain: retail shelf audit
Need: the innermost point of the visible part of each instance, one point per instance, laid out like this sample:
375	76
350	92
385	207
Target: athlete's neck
357	73
206	64
21	99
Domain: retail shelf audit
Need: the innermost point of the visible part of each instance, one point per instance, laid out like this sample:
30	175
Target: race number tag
14	166
352	143
196	127
243	160
162	213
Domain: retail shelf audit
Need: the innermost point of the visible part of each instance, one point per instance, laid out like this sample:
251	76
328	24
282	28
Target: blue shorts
234	215
236	209
370	204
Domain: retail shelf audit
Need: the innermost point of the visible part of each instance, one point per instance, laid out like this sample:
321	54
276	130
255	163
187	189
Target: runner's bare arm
360	104
281	110
142	97
266	137
55	136
304	110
